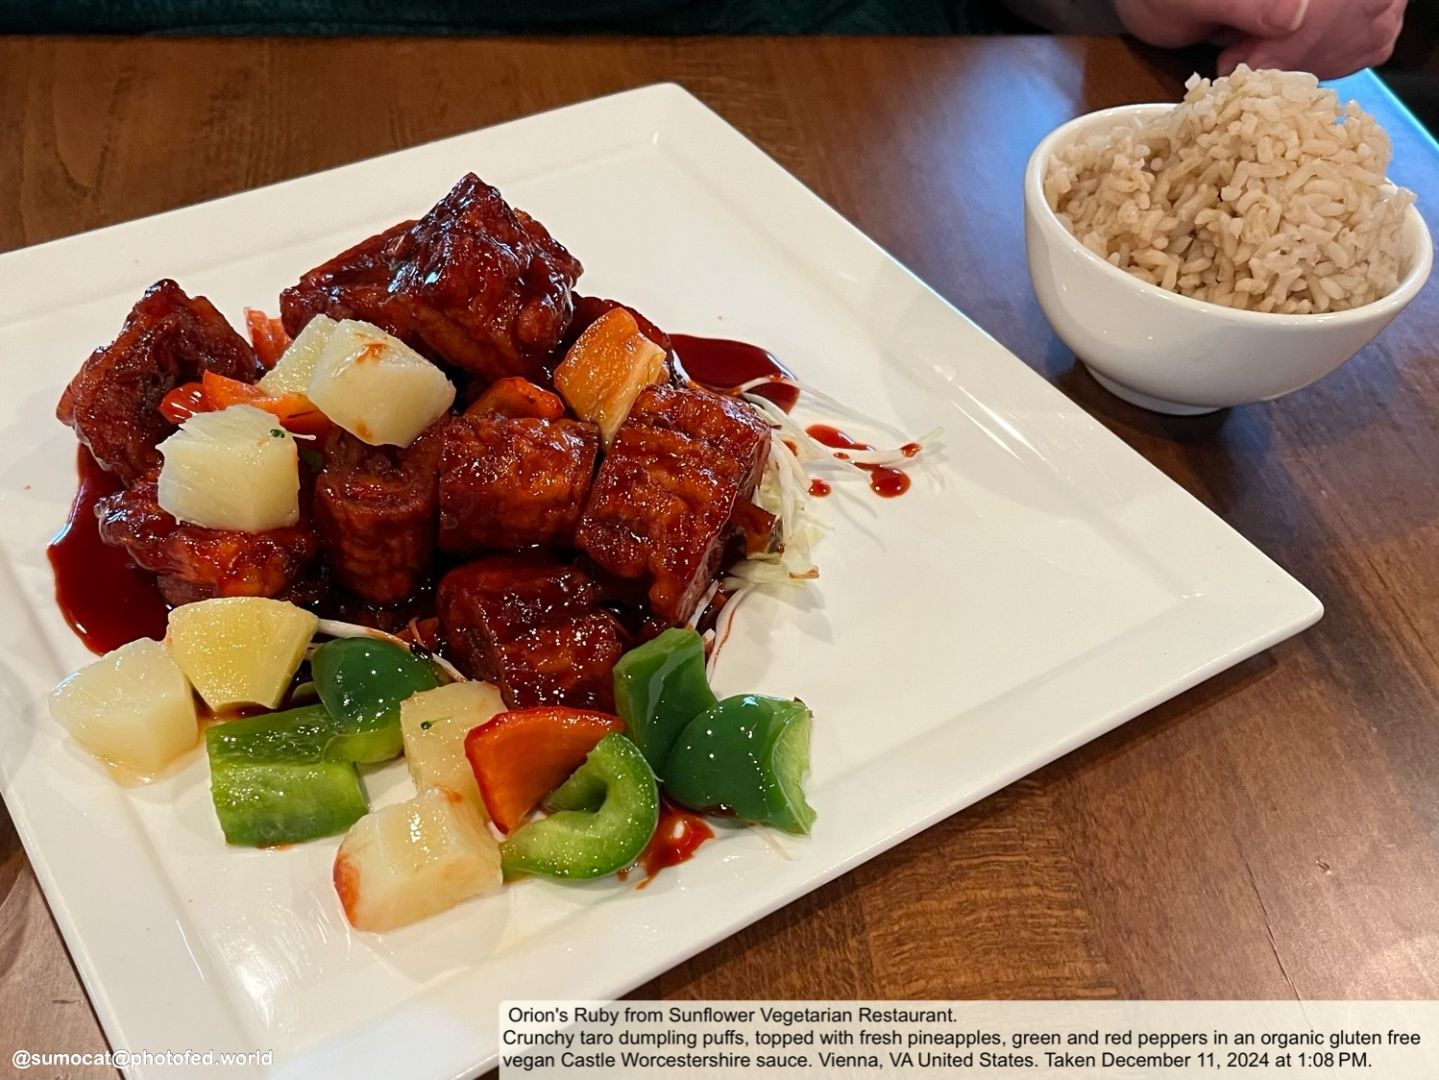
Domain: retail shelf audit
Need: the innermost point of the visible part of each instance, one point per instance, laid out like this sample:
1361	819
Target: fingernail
1288	15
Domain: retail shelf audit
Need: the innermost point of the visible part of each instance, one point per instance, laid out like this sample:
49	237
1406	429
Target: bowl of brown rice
1231	249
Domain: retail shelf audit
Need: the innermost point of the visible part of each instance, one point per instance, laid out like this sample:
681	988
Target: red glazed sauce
677	837
832	436
818	487
106	600
723	365
886	482
883	481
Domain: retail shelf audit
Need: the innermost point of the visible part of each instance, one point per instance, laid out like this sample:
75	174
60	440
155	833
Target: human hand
1328	37
1335	38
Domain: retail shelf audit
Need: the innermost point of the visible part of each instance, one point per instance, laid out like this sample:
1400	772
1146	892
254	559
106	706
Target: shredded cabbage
703	605
723	625
784	491
810	449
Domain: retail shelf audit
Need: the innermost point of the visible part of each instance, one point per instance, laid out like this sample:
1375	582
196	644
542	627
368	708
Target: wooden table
1272	833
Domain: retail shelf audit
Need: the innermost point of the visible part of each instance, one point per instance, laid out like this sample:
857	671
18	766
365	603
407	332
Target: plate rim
647	106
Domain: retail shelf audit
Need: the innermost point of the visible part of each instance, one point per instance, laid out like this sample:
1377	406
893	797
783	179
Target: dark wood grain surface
1272	833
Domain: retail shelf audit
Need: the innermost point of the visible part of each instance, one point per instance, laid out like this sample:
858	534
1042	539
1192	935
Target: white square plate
1039	585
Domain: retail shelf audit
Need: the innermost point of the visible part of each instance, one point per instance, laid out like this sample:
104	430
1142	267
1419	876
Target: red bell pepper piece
267	336
520	756
184	402
295	411
516	397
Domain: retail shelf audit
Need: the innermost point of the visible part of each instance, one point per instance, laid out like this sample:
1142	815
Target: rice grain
1259	191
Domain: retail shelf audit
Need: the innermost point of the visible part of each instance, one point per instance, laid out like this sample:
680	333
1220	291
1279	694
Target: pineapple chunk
291	373
376	387
232	469
406	862
240	650
606	368
132	707
435	723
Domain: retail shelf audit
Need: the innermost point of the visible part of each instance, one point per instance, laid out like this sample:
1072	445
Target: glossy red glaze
819	488
106	600
883	481
722	365
677	837
831	436
886	482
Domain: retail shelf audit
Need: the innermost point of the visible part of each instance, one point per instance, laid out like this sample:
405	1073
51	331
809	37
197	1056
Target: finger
1389	25
1325	47
1283	59
1374	59
1235	55
1303	50
1161	24
1265	18
1319	51
1322	63
1175	23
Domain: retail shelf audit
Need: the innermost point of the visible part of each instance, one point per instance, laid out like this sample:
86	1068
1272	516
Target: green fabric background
496	16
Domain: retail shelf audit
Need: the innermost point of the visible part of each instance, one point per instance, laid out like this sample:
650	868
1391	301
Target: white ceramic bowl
1170	353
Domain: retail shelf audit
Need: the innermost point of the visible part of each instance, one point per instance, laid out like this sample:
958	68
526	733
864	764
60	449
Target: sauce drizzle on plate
832	437
722	365
106	600
883	481
677	837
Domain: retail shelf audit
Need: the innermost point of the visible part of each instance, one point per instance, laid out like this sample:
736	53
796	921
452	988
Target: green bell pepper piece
362	682
270	785
296	735
264	805
584	790
659	688
747	756
574	843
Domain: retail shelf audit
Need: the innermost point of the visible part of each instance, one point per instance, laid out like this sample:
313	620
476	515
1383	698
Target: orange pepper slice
295	411
520	756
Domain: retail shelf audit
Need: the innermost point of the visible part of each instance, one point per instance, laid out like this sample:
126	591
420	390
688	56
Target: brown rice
1258	192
